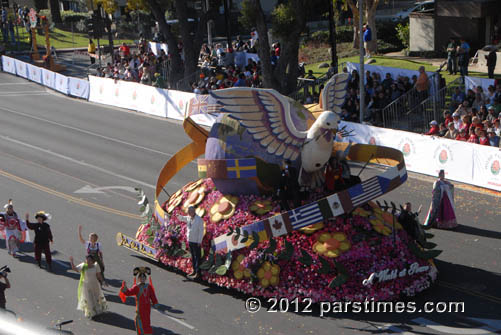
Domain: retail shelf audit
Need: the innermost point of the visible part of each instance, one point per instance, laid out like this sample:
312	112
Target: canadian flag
278	225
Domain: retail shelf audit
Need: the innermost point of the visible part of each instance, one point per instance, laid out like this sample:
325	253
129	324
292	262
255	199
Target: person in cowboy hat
43	236
145	298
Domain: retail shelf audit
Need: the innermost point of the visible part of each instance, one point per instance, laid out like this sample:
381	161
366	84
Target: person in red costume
145	297
434	130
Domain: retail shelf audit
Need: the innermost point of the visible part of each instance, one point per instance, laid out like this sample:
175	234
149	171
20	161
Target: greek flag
305	216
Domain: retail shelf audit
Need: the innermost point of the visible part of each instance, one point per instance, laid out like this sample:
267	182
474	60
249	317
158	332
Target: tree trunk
176	64
263	47
356	18
370	10
332	36
54	12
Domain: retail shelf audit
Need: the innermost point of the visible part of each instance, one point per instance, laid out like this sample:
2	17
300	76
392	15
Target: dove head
328	120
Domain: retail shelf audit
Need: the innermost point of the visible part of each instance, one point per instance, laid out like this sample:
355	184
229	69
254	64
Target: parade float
338	246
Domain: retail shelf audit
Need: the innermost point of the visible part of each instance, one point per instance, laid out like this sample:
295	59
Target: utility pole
362	70
227	22
209	25
333	36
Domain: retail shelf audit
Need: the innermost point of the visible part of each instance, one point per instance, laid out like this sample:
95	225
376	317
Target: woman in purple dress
442	213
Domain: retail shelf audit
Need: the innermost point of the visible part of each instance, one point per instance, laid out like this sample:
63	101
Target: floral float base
303	264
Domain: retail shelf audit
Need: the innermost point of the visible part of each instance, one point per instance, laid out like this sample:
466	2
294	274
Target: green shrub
69	16
386	33
403	34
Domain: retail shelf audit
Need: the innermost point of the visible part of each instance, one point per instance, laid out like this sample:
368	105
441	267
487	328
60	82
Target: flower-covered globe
325	261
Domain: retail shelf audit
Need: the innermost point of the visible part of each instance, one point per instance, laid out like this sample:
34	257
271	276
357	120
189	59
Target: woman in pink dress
442	213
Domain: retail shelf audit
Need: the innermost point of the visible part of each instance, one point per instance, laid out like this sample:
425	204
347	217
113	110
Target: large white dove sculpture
266	114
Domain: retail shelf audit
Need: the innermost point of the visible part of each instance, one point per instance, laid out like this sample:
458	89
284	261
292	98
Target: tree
288	23
54	12
369	16
191	37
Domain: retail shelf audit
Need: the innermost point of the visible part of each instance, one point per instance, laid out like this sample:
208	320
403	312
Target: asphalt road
52	146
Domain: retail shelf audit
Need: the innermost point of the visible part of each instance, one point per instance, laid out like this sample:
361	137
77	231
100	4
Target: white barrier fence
143	98
66	85
464	162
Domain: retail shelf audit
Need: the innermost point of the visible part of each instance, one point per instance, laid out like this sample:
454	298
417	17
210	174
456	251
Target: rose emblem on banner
406	149
181	104
117	92
443	154
372	140
78	86
495	167
443	157
101	89
134	95
152	100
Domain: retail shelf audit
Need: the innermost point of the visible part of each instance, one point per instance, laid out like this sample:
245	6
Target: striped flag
278	225
305	215
198	105
367	190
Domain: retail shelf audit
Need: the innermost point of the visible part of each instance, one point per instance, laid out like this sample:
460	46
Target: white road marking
453	330
181	322
16	94
85	131
494	324
394	329
10	84
99	190
111	173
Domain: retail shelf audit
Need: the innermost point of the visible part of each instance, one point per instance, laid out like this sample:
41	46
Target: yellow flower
268	274
331	245
313	228
380	227
261	207
174	201
192	185
224	208
195	197
240	271
361	212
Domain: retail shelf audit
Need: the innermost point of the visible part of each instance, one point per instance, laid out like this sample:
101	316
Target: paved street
52	146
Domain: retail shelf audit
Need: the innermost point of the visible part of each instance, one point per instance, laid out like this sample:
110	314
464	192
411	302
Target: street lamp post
362	70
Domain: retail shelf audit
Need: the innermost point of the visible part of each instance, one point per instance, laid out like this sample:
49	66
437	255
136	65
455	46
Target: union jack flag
198	105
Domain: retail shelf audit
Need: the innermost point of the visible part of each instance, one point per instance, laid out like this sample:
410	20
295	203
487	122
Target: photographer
3	287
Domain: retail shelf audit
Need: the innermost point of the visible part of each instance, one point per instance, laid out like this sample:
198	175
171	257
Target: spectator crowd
472	117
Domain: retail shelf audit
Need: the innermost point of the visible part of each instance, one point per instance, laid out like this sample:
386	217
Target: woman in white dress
91	299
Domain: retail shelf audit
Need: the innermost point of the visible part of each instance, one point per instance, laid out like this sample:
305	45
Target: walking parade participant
12	229
91	299
194	235
93	248
442	213
145	297
43	236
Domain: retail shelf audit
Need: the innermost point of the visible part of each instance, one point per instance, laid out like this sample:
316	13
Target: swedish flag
241	168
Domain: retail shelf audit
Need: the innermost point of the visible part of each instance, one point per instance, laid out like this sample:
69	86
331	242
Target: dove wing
265	114
334	92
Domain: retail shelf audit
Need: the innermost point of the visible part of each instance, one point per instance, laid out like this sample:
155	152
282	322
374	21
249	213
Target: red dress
145	297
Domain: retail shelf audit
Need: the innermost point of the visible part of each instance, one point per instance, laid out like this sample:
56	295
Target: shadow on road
477	231
120	321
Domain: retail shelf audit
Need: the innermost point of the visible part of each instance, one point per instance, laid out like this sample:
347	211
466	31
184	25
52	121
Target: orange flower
331	245
224	208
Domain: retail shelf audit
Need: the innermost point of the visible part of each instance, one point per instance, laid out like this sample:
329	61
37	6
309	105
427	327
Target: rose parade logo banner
491	169
443	155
